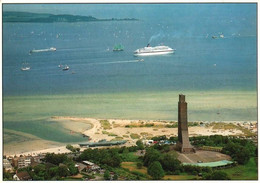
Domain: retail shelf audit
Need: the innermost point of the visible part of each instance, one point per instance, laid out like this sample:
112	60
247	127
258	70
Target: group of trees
239	149
164	160
158	163
72	149
55	167
109	157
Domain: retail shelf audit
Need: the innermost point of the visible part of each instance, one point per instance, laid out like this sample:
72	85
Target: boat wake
117	62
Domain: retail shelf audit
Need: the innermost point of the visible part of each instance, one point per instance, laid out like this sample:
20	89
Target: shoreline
117	129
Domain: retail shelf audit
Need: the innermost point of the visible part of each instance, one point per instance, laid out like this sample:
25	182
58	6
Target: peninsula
27	17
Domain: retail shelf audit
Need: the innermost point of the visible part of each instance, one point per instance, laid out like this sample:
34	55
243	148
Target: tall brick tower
183	134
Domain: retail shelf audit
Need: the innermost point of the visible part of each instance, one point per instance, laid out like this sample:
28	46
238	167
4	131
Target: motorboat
25	67
157	50
118	47
43	50
65	68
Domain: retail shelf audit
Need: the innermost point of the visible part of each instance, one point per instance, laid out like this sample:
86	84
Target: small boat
25	67
221	35
214	37
118	47
65	68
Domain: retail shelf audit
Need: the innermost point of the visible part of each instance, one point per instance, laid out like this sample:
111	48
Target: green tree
115	177
140	145
53	171
55	159
150	156
107	175
7	175
139	165
217	175
71	148
155	170
243	156
73	170
170	162
63	171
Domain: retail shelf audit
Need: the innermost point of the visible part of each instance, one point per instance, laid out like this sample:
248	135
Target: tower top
181	98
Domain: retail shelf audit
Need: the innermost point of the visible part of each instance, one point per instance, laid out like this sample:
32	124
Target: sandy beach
122	129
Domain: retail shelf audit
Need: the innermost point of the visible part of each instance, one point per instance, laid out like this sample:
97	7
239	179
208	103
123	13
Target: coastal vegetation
105	124
13	16
141	162
72	149
231	126
159	125
134	136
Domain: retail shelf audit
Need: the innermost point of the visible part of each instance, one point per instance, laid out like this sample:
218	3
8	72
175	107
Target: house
24	175
22	161
91	166
7	165
80	166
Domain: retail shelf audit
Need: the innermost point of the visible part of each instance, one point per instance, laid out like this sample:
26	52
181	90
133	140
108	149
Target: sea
217	75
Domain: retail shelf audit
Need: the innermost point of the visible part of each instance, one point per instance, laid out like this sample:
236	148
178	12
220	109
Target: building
183	135
22	161
24	175
7	165
91	166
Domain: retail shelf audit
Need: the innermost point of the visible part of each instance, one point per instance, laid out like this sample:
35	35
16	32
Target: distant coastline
26	17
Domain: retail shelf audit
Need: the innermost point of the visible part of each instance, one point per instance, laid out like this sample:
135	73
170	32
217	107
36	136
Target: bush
150	156
216	175
139	165
170	162
155	170
107	175
140	145
134	136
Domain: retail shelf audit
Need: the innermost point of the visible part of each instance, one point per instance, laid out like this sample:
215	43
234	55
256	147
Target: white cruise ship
157	50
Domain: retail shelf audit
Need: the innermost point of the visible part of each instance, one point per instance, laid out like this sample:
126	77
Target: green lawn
129	157
179	177
243	172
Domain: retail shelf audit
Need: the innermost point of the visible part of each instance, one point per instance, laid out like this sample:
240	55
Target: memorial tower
183	135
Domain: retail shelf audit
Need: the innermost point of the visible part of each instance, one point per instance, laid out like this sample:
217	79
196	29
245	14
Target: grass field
130	157
132	167
243	172
179	177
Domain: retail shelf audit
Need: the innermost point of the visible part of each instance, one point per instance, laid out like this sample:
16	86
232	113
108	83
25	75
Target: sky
140	11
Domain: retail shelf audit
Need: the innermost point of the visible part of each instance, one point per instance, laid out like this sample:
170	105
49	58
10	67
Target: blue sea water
199	63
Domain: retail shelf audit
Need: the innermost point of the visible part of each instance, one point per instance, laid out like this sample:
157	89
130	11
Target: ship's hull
153	53
43	50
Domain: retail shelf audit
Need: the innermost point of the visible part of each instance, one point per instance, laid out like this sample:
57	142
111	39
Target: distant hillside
12	16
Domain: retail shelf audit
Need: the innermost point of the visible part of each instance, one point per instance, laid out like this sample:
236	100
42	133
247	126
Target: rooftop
211	164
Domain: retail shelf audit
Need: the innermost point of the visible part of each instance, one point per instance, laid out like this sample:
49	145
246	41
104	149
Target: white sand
119	129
